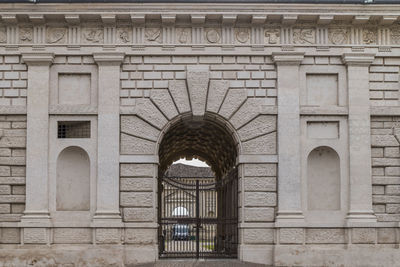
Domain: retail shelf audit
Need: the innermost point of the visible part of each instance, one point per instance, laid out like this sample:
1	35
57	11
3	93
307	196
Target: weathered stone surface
12	199
392	171
12	141
5	171
363	235
259	214
35	235
197	81
136	184
131	145
146	110
385	162
259	126
392	208
325	236
383	140
135	126
163	100
392	152
179	93
249	110
140	236
10	235
136	170
260	170
12	180
12	160
260	184
5	208
291	235
393	189
5	189
108	235
385	199
386	235
259	199
137	199
138	214
258	236
216	93
233	100
72	235
265	144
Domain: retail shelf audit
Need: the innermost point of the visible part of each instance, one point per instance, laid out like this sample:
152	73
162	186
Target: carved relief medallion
272	36
3	35
93	35
56	35
184	35
213	36
369	36
123	35
25	35
338	36
153	35
242	35
304	36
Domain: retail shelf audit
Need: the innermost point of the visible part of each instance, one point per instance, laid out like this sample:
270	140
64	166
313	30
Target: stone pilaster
107	210
37	180
289	175
360	206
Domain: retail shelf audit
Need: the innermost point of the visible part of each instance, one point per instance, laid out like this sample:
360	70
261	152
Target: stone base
262	254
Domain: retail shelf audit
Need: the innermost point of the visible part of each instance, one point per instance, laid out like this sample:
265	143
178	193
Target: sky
193	162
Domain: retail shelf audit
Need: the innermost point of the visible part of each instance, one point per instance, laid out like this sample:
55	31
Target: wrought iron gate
198	217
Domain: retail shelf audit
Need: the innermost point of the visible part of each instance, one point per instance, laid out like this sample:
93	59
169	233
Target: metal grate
73	129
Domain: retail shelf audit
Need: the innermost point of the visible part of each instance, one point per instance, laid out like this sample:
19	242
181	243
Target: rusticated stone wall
12	167
386	167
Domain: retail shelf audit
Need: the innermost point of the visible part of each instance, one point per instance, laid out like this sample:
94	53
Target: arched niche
323	179
73	180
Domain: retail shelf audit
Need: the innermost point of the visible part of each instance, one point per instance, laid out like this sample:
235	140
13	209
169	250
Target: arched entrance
198	214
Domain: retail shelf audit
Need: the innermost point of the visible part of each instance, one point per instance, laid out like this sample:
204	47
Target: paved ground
199	263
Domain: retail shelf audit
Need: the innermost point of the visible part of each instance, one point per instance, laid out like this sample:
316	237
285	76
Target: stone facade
302	99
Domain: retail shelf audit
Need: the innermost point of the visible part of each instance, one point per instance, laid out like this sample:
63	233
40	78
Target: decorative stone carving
369	36
184	35
213	36
3	35
56	35
93	35
304	36
338	36
25	35
123	35
242	35
395	34
153	35
272	36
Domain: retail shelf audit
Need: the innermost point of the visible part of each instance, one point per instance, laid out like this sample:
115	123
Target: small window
73	129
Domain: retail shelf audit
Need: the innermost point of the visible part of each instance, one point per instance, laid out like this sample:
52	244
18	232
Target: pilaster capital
287	58
108	58
35	59
358	59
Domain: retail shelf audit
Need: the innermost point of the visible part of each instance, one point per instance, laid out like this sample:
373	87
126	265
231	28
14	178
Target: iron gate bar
193	221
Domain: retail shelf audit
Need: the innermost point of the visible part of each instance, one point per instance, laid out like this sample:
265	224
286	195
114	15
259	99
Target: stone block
392	171
378	190
5	208
17	208
138	214
18	171
12	180
249	110
378	171
136	184
259	214
180	95
265	144
131	145
137	199
392	152
379	208
18	190
10	235
363	235
258	236
216	93
260	184
261	125
388	217
377	199
197	84
137	170
35	235
393	208
5	171
72	235
5	189
140	236
108	236
291	235
9	141
259	170
12	160
12	199
393	189
163	100
184	59
325	236
146	110
383	140
259	199
233	100
385	162
386	235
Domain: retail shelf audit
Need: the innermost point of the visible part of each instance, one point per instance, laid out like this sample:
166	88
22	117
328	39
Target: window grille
73	129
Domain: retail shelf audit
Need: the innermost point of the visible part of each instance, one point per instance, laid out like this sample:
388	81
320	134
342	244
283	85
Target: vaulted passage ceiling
202	139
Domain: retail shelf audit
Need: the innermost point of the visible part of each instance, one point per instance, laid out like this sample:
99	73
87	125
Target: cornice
287	58
359	59
38	58
108	58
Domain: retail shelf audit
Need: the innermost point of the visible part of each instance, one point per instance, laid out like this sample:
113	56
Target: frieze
123	35
56	35
304	36
184	35
153	35
213	36
338	36
25	34
242	35
395	34
272	36
369	36
93	35
3	35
